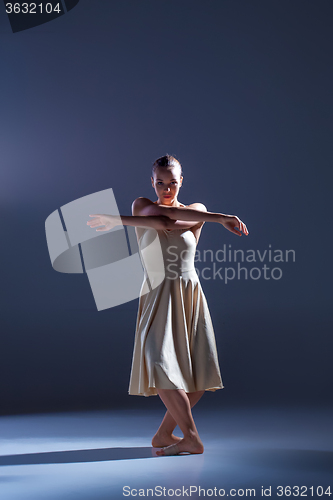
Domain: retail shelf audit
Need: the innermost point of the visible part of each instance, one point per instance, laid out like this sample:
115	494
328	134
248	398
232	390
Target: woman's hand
108	221
234	224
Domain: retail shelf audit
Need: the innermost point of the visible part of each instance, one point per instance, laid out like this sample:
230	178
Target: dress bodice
168	251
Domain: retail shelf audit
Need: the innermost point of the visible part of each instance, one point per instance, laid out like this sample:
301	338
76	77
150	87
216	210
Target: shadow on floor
76	456
296	460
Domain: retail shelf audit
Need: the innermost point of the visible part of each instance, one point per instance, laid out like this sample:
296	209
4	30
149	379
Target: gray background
241	93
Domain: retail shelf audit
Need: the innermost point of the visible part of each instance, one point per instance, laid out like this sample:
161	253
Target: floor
107	455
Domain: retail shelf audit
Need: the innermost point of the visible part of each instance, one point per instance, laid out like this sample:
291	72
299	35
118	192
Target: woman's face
166	183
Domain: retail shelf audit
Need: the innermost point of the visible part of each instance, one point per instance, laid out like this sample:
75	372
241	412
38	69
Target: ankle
191	434
164	432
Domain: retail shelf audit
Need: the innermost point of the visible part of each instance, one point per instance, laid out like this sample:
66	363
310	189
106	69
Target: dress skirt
174	345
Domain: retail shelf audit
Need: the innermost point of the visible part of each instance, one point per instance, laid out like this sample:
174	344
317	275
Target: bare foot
189	445
161	440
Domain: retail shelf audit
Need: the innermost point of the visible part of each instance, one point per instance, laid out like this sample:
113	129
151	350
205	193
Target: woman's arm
177	213
230	222
163	217
155	220
110	221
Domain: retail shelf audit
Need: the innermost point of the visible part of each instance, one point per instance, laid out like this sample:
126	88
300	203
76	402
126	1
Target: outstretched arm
230	222
182	213
110	221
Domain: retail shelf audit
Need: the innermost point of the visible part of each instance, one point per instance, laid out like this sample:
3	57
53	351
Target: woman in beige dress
174	352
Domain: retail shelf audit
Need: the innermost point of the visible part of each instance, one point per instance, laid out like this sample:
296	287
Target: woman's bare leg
178	404
164	436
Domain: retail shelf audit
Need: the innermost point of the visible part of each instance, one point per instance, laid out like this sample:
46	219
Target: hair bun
166	161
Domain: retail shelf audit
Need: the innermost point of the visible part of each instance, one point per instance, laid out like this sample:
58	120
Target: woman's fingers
243	228
106	221
239	227
98	221
96	224
100	228
236	231
235	225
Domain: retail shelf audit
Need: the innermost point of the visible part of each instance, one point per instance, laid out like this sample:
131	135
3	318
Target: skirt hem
155	393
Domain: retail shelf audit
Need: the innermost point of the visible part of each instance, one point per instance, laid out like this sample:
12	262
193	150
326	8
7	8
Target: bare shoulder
139	204
198	206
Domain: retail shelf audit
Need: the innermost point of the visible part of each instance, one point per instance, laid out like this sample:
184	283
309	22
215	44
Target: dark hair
167	161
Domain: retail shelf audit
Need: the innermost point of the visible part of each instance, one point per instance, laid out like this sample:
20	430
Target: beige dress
174	345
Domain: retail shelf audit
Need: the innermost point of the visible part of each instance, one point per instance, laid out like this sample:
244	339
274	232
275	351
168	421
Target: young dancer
175	353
